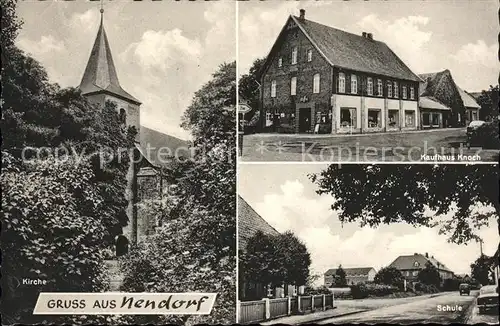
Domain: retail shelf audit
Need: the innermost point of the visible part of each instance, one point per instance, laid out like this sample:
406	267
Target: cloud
330	243
478	53
38	48
258	29
405	36
163	49
84	22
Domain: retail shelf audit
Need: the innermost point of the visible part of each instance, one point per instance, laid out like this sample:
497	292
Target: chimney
302	14
369	36
364	34
426	255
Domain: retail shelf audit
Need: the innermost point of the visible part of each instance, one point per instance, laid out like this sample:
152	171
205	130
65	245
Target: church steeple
100	74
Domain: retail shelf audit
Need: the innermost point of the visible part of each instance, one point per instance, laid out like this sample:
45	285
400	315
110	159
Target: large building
100	85
321	79
443	103
411	265
353	276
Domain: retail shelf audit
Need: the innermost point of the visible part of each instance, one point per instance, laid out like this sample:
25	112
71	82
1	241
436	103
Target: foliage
489	101
429	275
365	290
182	263
376	194
316	290
359	291
249	84
389	276
425	288
275	259
451	284
62	204
195	248
340	277
52	230
294	257
482	270
486	135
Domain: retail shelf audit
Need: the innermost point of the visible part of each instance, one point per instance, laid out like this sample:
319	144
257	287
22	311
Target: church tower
100	82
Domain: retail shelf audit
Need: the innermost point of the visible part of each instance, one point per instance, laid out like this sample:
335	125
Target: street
398	146
442	309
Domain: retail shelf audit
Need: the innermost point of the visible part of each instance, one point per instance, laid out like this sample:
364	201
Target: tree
429	275
488	100
249	85
195	248
376	194
482	270
294	257
340	277
389	276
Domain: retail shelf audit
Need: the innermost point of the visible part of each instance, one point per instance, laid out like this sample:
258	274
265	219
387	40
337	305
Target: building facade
353	275
411	265
323	80
443	103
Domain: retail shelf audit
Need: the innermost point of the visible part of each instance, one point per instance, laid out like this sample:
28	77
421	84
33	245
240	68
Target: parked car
483	134
488	299
464	288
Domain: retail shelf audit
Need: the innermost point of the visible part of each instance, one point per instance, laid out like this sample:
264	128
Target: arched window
341	83
316	83
121	245
123	116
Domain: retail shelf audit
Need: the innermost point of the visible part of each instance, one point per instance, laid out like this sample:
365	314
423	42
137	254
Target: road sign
244	108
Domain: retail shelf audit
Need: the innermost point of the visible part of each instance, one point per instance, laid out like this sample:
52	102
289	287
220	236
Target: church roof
100	74
160	149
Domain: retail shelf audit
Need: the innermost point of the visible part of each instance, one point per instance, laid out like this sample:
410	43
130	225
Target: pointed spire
100	73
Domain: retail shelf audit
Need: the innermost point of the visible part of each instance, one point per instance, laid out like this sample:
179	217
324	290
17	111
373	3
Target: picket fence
265	309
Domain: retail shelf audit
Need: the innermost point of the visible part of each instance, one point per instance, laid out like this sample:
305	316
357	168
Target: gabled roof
356	271
440	87
100	74
350	51
249	222
469	101
160	149
408	262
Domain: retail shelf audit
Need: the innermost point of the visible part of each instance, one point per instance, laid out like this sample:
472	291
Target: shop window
348	118
393	119
374	118
410	118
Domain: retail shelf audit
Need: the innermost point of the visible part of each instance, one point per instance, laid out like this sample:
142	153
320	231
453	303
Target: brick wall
303	70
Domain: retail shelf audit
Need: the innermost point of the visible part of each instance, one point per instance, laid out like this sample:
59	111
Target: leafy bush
389	276
316	290
364	290
425	288
359	291
52	230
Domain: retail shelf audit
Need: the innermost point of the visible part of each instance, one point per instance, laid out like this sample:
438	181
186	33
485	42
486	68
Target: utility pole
481	246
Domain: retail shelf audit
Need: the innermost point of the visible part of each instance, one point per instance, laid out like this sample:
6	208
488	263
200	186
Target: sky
429	36
163	51
285	197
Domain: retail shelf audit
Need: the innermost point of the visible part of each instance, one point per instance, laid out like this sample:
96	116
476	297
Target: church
145	178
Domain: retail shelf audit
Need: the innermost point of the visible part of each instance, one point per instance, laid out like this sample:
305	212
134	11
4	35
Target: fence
265	309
